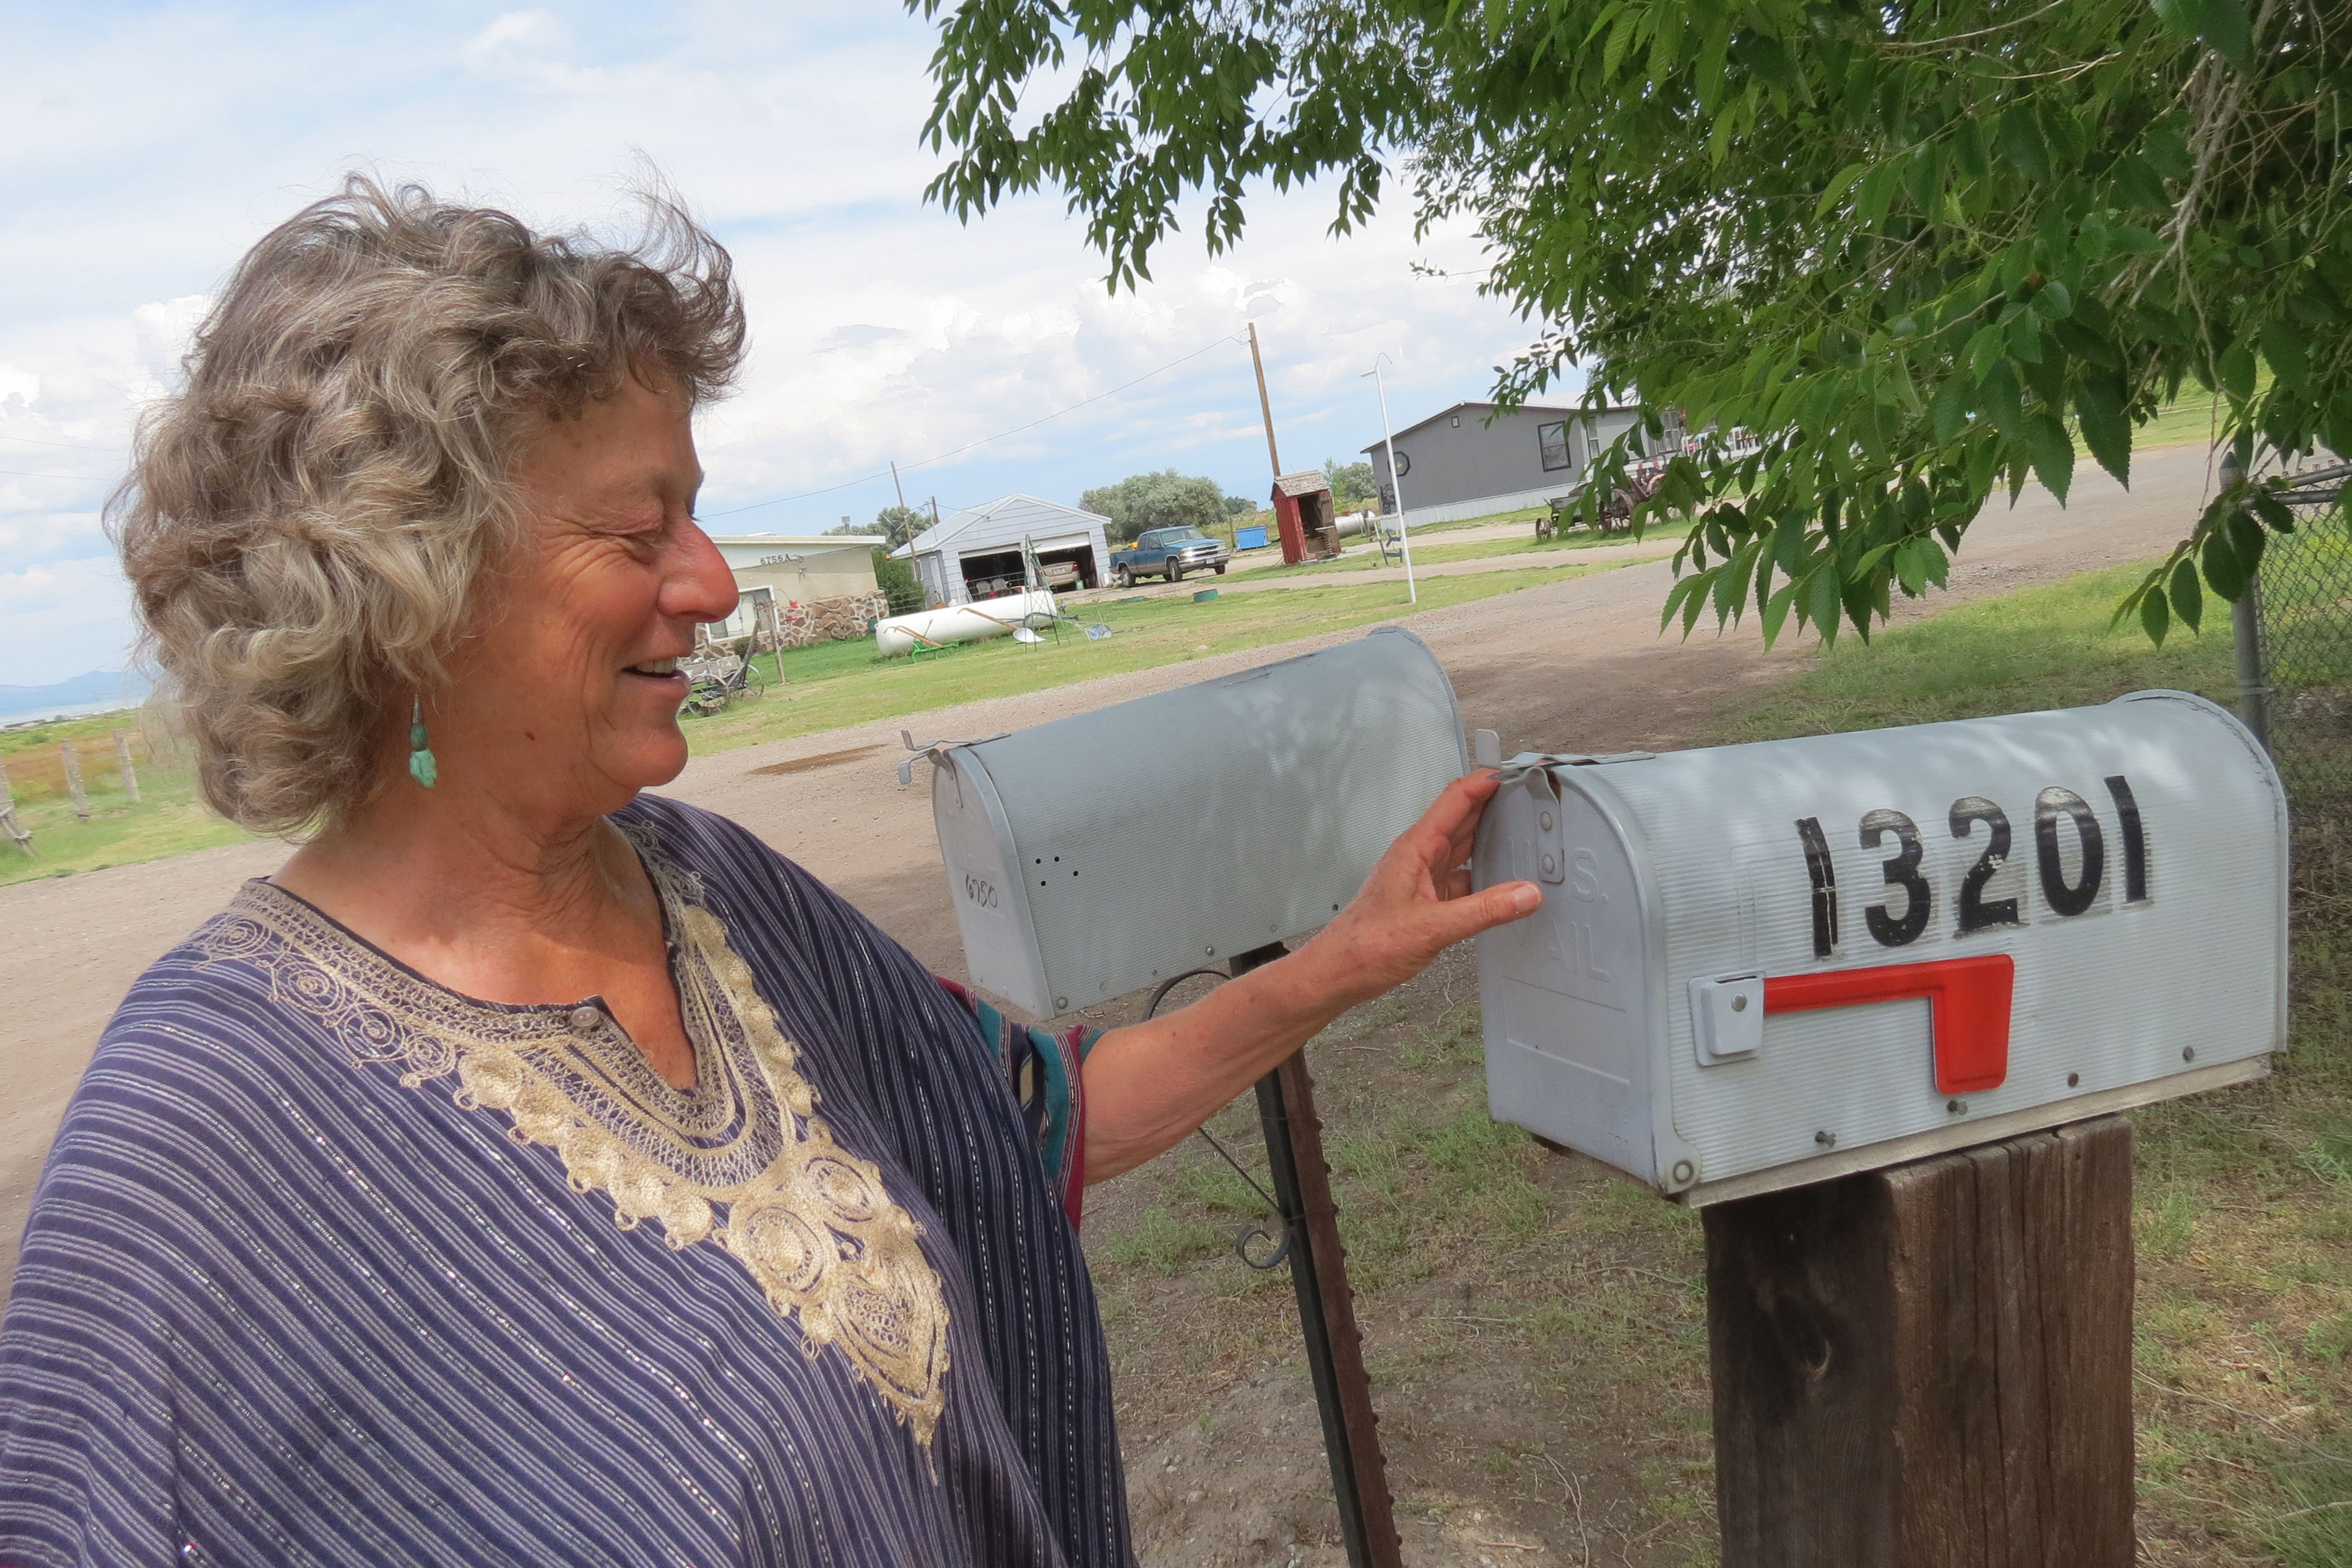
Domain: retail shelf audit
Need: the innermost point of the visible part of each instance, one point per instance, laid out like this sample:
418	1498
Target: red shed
1304	511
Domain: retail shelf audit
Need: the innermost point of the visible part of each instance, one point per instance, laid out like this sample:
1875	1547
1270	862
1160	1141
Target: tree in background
1240	506
896	578
896	525
1351	482
1919	248
1163	500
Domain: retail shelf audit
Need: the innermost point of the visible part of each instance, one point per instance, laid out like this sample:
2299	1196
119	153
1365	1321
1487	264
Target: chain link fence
2294	672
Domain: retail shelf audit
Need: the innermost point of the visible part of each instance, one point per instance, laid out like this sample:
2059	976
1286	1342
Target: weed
1160	1242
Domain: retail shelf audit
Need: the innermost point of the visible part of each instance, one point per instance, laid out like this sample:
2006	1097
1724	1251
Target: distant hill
91	693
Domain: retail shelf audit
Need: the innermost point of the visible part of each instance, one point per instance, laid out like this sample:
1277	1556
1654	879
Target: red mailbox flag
1968	1009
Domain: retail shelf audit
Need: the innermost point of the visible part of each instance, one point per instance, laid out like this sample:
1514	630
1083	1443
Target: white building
785	577
975	553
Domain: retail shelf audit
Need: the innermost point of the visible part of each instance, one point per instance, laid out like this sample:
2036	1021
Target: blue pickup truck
1169	553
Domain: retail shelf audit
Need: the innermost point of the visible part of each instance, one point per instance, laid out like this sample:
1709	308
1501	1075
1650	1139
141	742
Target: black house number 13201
2057	810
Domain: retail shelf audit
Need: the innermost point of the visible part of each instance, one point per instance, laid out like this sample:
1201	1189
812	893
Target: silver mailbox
1761	966
1096	854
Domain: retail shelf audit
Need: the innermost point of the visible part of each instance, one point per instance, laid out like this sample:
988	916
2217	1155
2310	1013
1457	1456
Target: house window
1457	421
1404	465
1553	439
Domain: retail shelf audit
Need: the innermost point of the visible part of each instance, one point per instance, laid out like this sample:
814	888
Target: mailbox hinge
1527	762
935	752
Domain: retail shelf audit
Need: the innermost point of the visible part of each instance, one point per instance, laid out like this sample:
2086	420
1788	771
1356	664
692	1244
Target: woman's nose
701	585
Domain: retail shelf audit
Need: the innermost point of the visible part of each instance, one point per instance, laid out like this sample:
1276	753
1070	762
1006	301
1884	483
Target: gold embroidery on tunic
742	1160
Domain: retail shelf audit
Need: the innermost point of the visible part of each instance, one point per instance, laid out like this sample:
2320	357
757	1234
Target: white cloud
145	155
63	618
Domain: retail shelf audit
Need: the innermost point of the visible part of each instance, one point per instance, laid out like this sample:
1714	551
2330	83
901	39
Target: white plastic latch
1728	1017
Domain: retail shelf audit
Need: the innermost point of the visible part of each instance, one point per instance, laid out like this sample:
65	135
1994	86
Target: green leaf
2003	398
2055	300
2052	452
1838	187
2236	368
1823	606
2018	139
2222	569
1776	612
2106	430
2282	346
1613	52
1911	567
1685	587
2221	25
1950	410
2187	599
2154	616
2246	541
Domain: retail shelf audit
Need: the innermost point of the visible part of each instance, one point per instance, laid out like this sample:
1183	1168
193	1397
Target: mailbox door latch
1728	1017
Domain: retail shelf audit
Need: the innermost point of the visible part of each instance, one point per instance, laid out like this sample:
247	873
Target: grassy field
838	684
1492	1274
825	686
168	819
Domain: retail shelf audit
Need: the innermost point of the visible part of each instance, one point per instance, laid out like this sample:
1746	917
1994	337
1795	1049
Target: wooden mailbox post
1929	1364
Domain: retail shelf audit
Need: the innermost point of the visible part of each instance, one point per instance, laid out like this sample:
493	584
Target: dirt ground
1493	1463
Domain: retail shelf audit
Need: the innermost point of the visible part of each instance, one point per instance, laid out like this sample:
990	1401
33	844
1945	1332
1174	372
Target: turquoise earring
421	765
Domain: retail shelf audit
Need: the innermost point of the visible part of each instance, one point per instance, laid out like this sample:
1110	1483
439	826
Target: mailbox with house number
1761	966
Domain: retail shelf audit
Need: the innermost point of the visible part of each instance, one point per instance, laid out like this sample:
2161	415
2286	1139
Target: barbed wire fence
2294	676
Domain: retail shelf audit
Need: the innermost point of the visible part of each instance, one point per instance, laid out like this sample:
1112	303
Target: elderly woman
535	1171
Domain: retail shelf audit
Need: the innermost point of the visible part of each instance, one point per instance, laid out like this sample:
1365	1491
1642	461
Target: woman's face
565	703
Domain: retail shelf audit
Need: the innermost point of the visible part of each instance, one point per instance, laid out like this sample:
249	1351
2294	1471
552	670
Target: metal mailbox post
1781	980
1095	855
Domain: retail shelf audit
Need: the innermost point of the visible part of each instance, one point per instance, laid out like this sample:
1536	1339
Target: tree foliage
1163	500
1351	482
1926	250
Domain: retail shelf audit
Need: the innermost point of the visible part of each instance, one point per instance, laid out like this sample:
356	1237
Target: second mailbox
1761	966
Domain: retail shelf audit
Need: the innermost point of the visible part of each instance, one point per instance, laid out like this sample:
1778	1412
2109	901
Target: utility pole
1265	406
898	487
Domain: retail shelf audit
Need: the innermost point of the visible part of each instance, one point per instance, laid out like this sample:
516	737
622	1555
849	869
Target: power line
23	474
967	447
76	446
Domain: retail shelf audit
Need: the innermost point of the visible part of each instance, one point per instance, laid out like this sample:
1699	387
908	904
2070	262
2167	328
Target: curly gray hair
304	524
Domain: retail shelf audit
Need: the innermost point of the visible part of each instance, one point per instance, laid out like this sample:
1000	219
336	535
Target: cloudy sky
143	149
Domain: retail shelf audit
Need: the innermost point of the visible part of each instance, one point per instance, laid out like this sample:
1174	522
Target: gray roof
1002	521
1306	482
1484	408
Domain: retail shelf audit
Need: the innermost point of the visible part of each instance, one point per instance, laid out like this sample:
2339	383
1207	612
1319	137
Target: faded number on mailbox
1900	919
980	891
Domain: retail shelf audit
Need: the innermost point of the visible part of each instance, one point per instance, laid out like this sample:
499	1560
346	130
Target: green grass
835	685
2044	648
168	819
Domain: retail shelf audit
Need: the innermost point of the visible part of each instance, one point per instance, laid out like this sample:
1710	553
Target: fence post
73	780
123	760
10	828
2246	634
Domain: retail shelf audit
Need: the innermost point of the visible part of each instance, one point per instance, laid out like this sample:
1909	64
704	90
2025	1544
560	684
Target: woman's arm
1149	1085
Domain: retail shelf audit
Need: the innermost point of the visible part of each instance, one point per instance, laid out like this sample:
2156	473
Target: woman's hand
1149	1085
1416	904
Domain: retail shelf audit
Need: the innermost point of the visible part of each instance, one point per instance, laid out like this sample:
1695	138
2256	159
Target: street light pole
1396	481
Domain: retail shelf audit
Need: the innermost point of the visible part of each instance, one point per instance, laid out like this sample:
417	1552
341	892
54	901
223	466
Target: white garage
975	553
